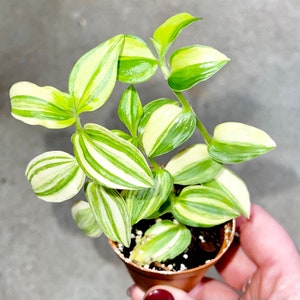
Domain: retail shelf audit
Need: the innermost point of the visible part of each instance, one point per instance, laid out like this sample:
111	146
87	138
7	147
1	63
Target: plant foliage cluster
113	166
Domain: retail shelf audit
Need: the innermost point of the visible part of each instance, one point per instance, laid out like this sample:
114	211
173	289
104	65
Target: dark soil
205	245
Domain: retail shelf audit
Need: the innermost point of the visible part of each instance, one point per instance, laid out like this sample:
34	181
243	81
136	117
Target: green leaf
202	206
235	190
166	128
193	165
234	142
145	202
93	77
149	108
136	61
130	110
193	64
85	220
109	159
110	212
55	176
166	33
163	240
45	106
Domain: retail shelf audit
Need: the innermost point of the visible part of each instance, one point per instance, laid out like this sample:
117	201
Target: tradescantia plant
122	180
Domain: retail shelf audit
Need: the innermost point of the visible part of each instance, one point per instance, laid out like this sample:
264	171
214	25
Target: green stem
78	125
202	129
154	164
183	101
164	68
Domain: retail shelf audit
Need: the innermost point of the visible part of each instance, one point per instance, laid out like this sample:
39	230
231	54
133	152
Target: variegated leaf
109	159
110	212
193	165
167	33
193	64
149	109
136	61
85	220
202	206
93	77
145	202
163	240
130	110
235	142
55	176
235	190
168	127
45	106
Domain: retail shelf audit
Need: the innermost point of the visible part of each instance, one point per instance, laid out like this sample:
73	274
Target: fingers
137	294
208	287
235	267
263	243
213	289
264	240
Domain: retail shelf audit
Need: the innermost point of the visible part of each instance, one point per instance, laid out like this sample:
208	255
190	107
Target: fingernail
159	294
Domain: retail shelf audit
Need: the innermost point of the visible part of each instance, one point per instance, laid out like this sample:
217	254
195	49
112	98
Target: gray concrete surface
42	255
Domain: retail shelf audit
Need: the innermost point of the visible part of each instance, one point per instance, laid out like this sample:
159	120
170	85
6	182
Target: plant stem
78	125
164	68
183	101
154	164
202	129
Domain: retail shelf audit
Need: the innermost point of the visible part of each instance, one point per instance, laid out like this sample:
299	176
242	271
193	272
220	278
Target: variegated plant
122	180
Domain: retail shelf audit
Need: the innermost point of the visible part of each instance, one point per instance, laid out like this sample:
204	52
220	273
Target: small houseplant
123	182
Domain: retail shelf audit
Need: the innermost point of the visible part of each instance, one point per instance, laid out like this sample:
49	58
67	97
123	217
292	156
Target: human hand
264	264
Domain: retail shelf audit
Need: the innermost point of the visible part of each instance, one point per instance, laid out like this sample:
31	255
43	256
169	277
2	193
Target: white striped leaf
109	159
193	165
85	220
166	128
130	110
45	106
110	212
163	240
145	202
55	176
149	109
202	206
234	188
136	61
166	33
93	77
235	142
193	64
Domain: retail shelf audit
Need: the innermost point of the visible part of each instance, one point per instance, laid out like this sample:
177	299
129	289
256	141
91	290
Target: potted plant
150	212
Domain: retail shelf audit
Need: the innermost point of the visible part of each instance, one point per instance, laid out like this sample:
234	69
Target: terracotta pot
186	279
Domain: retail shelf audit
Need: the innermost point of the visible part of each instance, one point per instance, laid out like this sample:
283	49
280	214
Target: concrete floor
42	254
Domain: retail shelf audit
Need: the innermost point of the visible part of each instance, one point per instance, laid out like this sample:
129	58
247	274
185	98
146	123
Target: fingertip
135	292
